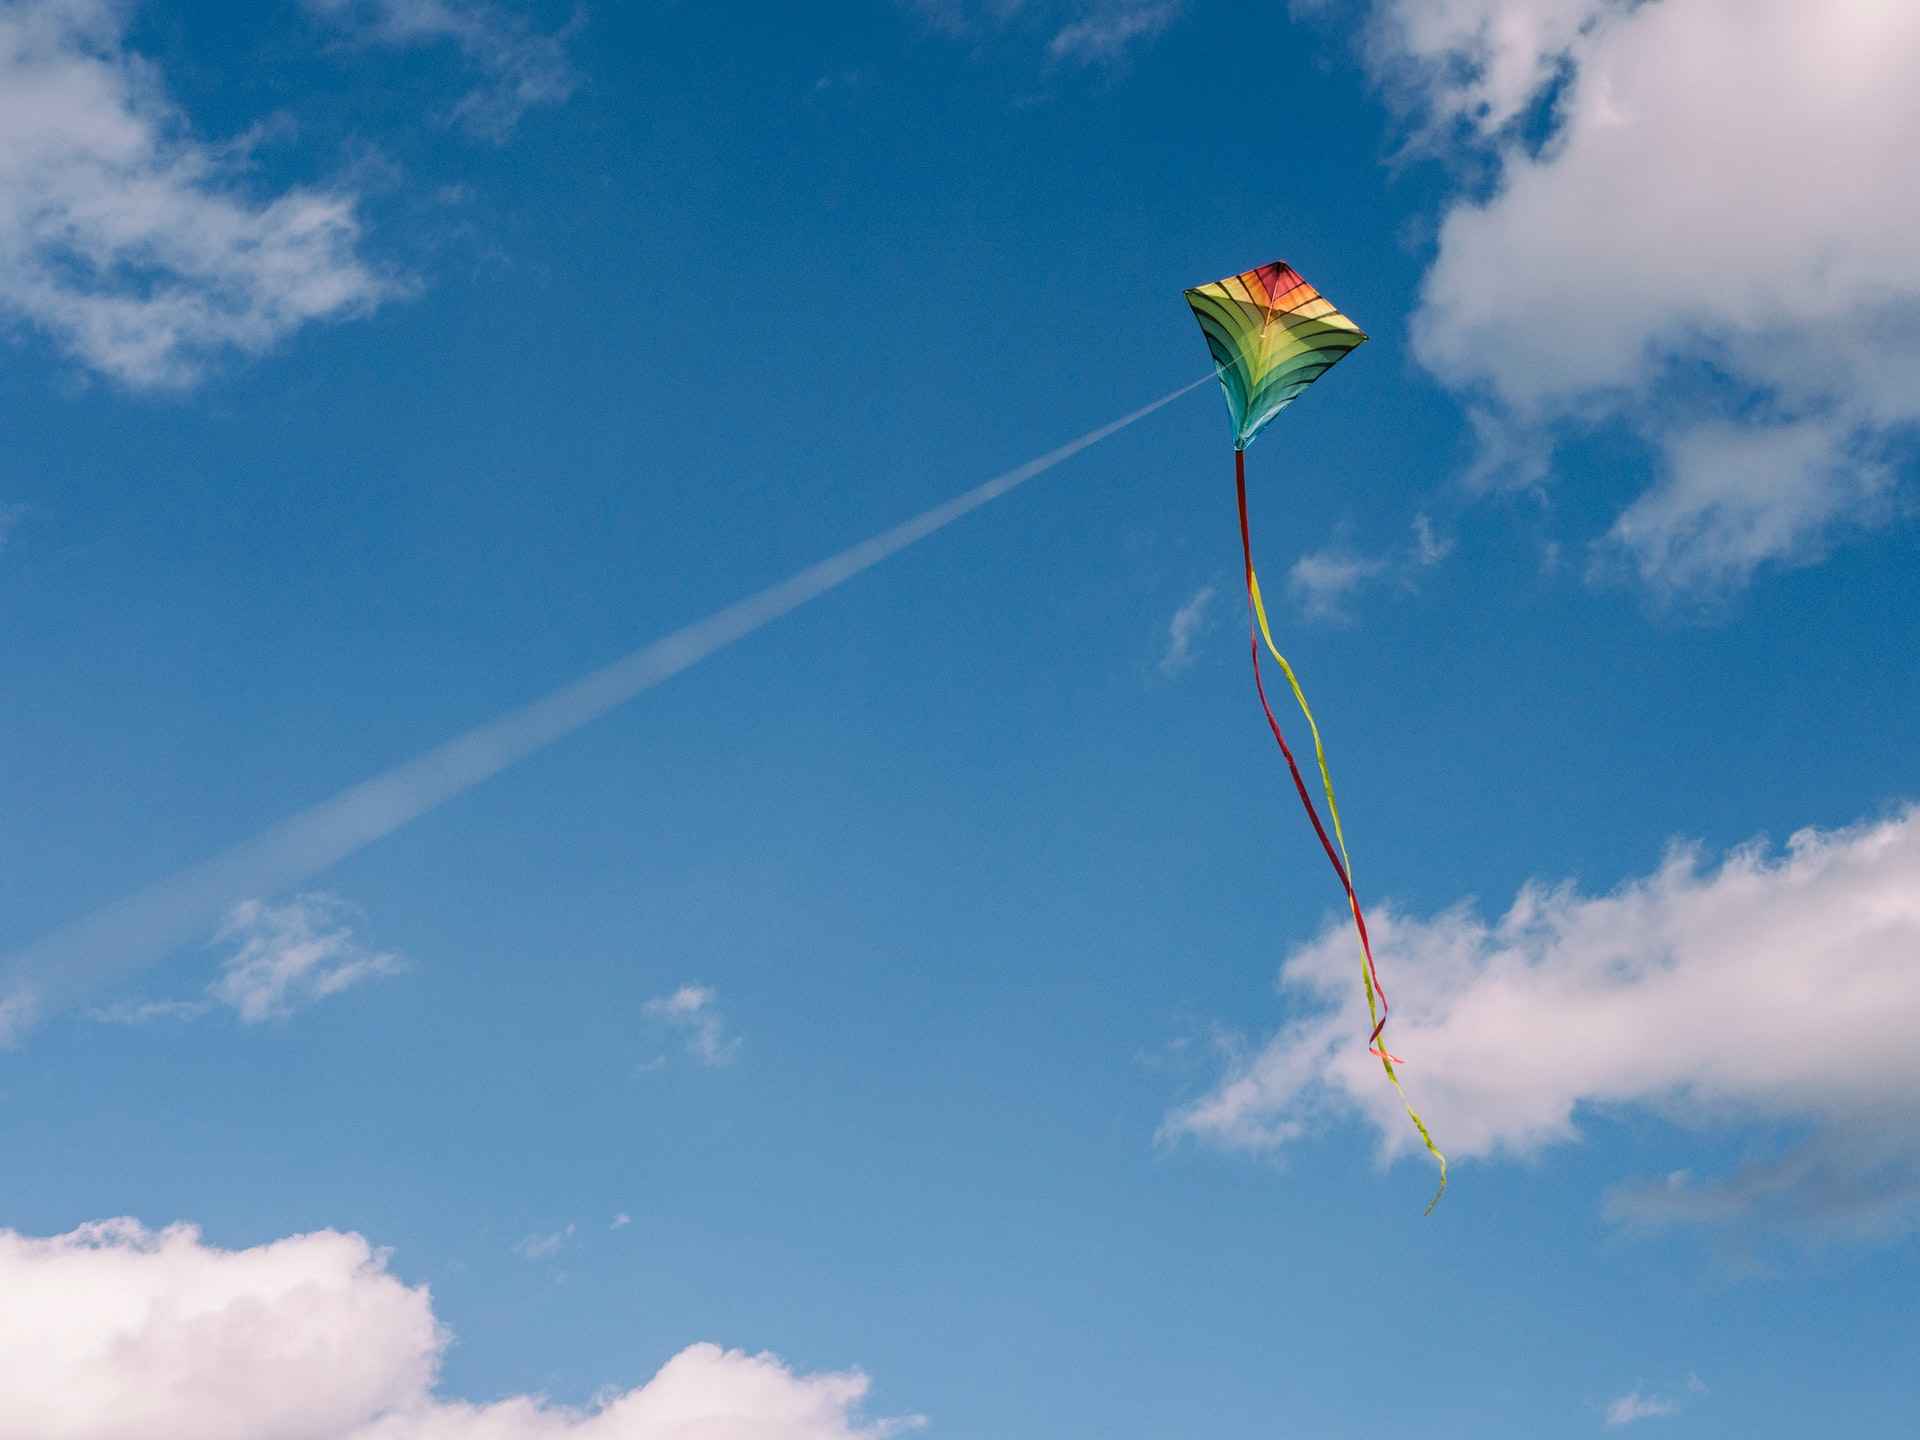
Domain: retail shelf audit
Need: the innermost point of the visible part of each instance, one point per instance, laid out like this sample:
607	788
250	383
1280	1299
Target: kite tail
1259	630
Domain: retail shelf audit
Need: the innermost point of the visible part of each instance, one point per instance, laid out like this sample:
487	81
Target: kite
1272	335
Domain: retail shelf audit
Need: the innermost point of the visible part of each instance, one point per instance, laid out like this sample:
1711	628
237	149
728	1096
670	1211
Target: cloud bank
117	1332
1780	989
1715	224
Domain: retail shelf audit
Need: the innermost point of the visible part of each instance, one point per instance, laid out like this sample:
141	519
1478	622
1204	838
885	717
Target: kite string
1369	973
1258	630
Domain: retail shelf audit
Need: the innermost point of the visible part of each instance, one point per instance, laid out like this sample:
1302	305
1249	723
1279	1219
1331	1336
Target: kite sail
1272	335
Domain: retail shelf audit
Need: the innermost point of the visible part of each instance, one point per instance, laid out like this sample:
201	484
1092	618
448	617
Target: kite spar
1272	335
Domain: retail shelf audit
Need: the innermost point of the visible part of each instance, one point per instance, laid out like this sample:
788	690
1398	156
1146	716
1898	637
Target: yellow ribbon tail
1333	806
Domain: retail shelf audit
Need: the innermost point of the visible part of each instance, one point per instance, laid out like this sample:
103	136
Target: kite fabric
1272	335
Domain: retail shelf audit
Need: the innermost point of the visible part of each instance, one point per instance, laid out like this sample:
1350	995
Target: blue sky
939	985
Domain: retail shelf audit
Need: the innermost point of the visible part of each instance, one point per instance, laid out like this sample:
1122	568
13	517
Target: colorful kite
1272	335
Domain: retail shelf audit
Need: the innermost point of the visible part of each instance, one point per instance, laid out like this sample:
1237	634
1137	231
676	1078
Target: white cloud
1187	623
846	78
692	1010
1628	1408
289	955
128	241
1322	581
145	1012
1736	496
1110	29
544	1247
1429	547
113	1330
525	67
1779	989
1083	33
621	1221
1639	1405
117	1332
284	958
1716	225
19	1012
965	17
1478	63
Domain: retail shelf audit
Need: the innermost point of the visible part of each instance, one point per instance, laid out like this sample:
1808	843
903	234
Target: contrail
147	925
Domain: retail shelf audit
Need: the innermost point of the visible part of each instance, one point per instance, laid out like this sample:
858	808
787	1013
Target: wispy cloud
846	78
1733	498
621	1221
1620	987
692	1010
1110	30
1185	627
1639	1404
289	955
543	1247
136	247
282	958
966	17
1322	581
524	67
1078	33
1631	1407
1429	547
146	1012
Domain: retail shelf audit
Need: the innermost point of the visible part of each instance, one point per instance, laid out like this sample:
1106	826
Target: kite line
188	906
